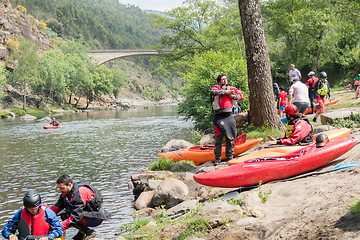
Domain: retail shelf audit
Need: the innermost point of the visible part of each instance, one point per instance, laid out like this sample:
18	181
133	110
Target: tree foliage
202	77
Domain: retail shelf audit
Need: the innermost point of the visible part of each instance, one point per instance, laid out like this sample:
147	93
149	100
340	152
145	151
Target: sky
160	5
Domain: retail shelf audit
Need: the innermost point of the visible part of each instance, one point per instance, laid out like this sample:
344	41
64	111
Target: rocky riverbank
314	207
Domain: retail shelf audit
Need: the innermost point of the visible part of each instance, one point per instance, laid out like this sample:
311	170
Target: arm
12	226
238	95
217	90
300	130
51	218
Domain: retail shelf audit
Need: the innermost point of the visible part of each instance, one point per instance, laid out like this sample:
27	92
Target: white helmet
312	73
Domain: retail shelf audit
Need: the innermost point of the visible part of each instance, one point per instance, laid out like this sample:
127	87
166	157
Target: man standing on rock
222	98
82	205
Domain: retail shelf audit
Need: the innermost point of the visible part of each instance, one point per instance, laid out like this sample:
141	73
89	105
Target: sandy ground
315	207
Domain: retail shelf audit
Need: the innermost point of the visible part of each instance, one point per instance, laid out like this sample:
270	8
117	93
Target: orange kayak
205	153
286	149
326	103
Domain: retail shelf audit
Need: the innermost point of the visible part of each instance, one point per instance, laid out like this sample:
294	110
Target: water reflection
103	148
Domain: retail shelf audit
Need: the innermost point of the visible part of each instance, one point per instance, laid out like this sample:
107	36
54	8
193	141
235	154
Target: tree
25	61
261	97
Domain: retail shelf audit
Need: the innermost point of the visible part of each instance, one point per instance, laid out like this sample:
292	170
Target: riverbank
313	207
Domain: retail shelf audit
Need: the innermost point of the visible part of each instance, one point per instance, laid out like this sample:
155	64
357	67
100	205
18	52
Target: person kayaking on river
34	219
82	204
222	96
299	130
55	122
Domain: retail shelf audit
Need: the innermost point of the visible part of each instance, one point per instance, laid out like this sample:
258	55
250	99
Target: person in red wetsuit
33	221
83	207
223	95
311	85
299	130
55	122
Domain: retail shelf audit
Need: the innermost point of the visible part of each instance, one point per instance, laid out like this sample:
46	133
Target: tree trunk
261	98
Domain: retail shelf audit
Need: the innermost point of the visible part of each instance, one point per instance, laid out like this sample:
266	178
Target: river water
103	148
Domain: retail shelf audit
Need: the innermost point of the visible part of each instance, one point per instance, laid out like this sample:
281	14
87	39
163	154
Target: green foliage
352	122
110	23
132	227
194	227
196	136
355	207
263	195
200	80
261	132
18	111
161	164
4	114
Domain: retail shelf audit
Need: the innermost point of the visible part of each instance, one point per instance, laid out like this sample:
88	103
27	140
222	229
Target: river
103	148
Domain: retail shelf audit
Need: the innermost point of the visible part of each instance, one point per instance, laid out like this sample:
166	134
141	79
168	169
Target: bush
161	164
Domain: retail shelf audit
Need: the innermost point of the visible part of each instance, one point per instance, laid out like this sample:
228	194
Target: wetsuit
298	131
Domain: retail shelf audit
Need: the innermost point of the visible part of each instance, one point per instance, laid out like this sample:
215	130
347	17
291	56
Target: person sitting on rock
299	130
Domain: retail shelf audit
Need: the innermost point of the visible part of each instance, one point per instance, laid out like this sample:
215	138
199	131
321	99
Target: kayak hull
286	149
52	126
202	154
251	172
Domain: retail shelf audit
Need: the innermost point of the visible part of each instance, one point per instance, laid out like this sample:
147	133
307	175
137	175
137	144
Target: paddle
47	119
336	168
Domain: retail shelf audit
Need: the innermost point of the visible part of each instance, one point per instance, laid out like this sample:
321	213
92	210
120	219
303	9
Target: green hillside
101	23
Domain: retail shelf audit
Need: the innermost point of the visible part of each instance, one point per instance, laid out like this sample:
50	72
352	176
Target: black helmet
321	139
323	75
32	199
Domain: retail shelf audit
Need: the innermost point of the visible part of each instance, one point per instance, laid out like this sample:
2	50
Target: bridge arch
102	56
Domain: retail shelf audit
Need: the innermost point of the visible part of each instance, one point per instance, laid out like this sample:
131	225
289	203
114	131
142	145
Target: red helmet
291	109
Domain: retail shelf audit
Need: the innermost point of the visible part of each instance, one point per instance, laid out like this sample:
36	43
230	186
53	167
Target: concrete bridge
105	55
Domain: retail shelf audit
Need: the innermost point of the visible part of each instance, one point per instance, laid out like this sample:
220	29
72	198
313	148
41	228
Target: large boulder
169	193
175	144
144	200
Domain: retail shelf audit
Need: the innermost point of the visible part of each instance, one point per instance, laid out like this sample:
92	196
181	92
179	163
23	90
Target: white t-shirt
300	92
294	74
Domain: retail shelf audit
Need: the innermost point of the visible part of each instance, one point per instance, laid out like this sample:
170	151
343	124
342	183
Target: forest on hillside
99	23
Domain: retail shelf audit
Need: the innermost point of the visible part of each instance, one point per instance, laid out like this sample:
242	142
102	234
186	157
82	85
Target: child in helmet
298	131
34	219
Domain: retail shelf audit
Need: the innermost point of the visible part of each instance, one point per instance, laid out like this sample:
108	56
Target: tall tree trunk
261	98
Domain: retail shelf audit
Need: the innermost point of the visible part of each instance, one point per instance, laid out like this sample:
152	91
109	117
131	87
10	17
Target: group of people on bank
79	206
299	130
312	92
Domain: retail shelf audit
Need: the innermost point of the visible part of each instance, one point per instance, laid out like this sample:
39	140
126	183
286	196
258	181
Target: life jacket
289	131
222	103
33	225
323	88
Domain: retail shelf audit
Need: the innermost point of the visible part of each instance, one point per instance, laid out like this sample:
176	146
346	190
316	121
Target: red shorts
320	102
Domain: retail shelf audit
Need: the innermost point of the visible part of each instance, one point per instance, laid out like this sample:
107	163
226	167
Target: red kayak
251	172
52	126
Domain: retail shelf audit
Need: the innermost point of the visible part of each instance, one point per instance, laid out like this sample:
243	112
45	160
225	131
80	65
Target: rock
241	119
140	181
175	144
338	114
3	52
144	200
207	139
146	212
120	238
182	167
170	192
322	128
251	203
184	206
154	184
219	207
194	238
28	117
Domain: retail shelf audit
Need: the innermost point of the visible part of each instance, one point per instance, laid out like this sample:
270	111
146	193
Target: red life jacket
33	225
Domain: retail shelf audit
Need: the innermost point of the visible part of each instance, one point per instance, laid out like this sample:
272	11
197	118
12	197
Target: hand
228	92
271	138
271	143
13	237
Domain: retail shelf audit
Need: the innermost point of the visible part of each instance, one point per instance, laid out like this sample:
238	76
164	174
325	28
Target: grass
4	114
161	164
261	132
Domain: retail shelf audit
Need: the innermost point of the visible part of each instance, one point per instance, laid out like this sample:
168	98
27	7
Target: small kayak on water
52	126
